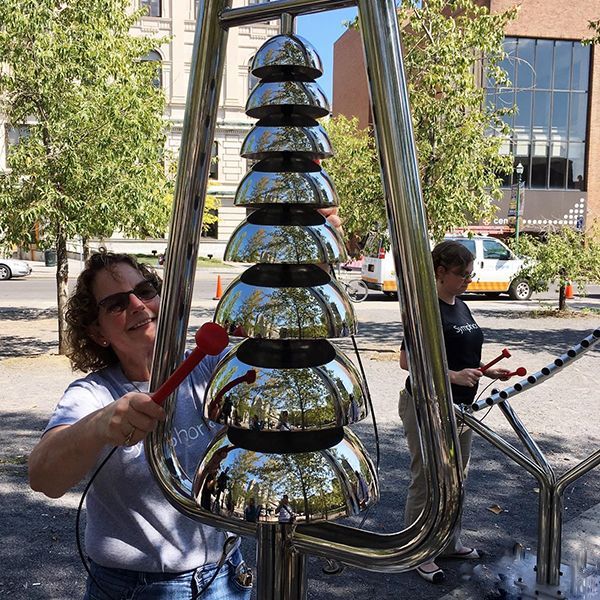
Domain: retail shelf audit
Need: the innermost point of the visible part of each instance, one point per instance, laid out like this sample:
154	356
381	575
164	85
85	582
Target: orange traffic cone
569	291
219	291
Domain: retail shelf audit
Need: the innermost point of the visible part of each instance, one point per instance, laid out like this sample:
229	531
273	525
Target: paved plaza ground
38	557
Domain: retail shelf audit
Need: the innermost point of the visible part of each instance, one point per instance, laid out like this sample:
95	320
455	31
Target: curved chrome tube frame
410	245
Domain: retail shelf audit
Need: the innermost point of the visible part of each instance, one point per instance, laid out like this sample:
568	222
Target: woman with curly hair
138	544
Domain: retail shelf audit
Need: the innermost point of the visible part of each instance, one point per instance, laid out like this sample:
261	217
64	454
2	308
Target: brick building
556	129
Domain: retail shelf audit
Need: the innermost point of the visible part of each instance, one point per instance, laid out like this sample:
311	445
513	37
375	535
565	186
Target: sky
322	30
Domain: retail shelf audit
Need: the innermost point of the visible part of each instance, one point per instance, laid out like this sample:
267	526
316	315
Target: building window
153	7
549	89
154	56
14	134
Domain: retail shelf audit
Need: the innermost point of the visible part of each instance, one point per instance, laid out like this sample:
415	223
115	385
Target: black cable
368	392
78	520
479	396
369	400
373	417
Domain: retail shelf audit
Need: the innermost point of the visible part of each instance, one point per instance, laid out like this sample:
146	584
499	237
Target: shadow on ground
12	345
39	544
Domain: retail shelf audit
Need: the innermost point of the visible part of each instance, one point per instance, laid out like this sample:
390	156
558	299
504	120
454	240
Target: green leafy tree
447	44
91	160
595	27
561	257
355	173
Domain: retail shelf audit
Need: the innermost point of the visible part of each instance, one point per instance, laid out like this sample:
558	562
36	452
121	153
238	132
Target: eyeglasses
117	303
464	276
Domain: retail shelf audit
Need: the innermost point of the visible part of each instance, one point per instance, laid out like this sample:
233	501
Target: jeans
121	584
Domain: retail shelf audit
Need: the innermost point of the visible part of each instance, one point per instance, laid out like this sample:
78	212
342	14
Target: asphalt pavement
38	556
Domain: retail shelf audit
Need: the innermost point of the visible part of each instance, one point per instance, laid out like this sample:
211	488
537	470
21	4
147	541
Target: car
11	267
496	269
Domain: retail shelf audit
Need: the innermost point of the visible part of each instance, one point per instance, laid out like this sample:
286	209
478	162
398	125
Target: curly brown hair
82	311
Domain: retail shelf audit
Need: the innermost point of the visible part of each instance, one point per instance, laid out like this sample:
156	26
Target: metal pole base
579	581
281	572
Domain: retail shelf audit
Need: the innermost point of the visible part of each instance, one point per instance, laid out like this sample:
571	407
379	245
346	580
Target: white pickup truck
497	269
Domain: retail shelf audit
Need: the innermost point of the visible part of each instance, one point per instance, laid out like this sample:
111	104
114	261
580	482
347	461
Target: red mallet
505	354
211	339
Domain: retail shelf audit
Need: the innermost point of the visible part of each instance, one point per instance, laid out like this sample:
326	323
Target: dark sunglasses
464	276
117	303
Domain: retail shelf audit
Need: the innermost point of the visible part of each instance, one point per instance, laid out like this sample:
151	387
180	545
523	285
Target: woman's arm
497	373
466	377
66	453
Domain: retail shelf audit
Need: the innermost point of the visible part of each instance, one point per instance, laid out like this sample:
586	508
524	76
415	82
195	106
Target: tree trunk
85	246
62	278
562	299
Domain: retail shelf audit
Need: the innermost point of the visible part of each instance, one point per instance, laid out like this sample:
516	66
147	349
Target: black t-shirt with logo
463	341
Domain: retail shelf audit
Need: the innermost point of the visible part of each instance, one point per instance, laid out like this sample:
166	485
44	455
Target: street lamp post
519	169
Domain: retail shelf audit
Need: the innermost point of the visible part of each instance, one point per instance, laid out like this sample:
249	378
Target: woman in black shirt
453	266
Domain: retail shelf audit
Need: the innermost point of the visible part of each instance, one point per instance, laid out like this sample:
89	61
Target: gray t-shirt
130	524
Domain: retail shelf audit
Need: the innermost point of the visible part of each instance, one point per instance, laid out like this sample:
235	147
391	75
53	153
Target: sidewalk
40	270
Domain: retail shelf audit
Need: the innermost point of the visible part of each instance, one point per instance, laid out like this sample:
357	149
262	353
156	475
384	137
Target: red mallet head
520	372
504	354
211	338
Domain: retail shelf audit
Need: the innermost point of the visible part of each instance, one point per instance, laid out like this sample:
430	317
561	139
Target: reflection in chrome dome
287	56
302	97
322	389
291	243
324	485
253	307
259	187
304	137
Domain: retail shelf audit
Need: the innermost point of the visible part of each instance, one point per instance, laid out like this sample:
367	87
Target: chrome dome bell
284	234
286	302
329	484
295	386
305	97
288	57
278	134
286	180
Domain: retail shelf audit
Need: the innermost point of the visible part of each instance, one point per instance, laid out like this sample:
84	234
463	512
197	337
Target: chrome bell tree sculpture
286	434
286	392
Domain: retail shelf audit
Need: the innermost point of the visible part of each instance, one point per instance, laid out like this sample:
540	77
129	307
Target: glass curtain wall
549	90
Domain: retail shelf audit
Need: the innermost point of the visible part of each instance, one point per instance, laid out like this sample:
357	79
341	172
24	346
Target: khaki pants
417	491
